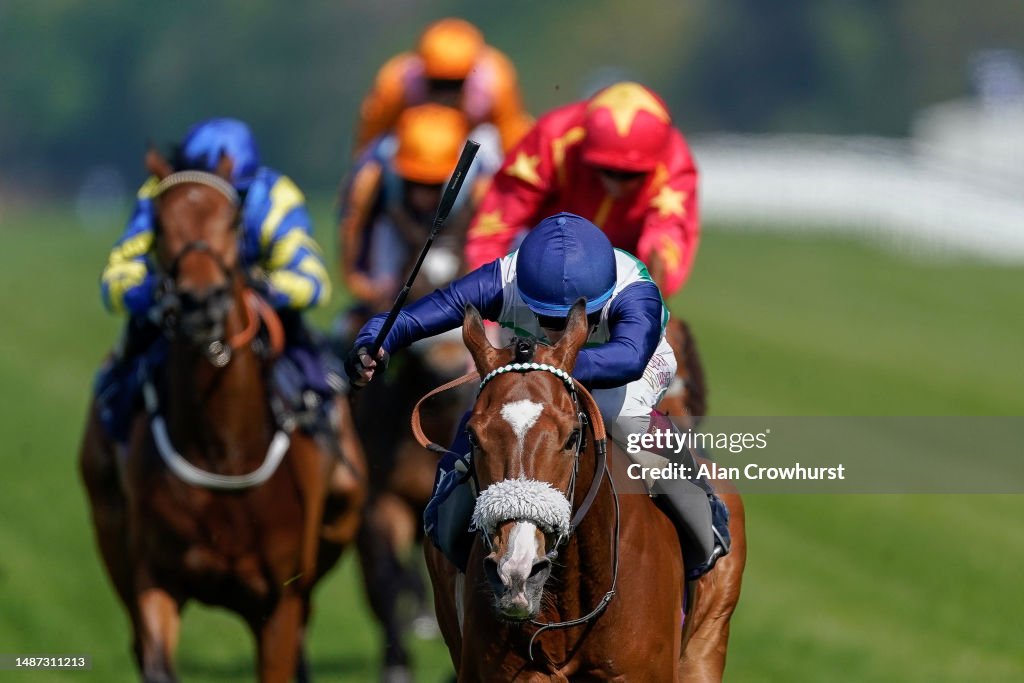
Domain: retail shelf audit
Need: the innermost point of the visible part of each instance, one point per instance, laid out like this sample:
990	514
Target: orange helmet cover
430	139
449	48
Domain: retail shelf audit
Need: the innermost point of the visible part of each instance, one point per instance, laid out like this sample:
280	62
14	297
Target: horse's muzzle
201	316
518	589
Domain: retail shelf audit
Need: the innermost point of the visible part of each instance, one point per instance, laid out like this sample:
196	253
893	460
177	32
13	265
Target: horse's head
196	249
527	431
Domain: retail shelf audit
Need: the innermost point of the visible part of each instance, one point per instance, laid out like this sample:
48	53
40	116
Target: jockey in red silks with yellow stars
615	159
453	66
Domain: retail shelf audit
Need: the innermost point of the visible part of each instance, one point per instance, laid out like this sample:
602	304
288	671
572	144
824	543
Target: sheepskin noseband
522	499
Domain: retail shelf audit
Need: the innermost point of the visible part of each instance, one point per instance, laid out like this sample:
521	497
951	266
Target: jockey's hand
360	367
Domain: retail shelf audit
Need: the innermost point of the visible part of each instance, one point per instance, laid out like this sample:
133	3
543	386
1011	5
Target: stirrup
720	550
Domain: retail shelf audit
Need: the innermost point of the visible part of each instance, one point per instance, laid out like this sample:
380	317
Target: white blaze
520	554
521	415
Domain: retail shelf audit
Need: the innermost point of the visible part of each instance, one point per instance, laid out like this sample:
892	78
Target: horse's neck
218	409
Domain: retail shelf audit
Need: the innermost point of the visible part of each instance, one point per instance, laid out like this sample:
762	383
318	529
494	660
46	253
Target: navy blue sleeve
441	310
634	325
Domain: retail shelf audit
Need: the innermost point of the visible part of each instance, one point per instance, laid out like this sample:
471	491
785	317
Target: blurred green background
85	84
837	588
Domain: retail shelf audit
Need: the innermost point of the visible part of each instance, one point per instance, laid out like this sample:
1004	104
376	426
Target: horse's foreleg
157	624
445	581
279	638
302	671
382	577
97	465
717	594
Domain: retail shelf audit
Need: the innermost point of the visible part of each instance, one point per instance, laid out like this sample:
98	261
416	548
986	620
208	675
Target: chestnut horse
570	580
213	500
712	598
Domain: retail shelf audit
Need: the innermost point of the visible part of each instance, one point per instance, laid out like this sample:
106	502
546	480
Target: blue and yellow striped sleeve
127	282
290	255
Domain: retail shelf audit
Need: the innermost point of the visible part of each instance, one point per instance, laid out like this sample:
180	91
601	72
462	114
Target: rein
596	423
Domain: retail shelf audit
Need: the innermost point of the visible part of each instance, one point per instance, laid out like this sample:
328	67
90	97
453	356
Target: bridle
217	350
588	415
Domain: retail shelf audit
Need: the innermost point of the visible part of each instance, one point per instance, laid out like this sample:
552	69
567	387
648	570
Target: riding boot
118	382
447	516
306	377
703	520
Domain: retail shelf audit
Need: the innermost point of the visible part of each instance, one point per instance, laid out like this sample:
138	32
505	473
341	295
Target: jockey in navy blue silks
275	237
627	363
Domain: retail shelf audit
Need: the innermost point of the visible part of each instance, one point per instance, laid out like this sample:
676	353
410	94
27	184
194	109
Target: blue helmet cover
562	259
203	144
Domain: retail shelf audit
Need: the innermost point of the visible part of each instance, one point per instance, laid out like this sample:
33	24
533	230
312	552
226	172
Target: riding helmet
562	259
203	144
627	128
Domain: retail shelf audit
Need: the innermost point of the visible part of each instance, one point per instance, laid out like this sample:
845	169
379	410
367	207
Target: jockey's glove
360	368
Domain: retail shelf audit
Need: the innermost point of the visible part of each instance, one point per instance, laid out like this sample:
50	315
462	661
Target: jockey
388	203
616	159
274	238
627	362
452	65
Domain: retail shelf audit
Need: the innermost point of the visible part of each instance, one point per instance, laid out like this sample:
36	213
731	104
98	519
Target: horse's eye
471	438
573	438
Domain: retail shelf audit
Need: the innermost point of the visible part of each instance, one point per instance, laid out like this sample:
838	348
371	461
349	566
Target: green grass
838	588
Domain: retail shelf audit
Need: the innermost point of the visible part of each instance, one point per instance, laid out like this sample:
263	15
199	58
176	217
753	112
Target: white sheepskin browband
522	499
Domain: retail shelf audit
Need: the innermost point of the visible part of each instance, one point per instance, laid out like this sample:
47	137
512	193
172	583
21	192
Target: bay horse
568	580
211	499
401	472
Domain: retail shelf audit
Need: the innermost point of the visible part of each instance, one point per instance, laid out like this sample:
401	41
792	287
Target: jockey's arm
355	215
384	103
128	282
291	257
671	230
440	311
635	327
507	112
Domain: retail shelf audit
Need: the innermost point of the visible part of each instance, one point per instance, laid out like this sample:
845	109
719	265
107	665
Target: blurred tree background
84	85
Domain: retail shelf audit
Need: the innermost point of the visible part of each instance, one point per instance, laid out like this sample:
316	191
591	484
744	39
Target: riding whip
451	193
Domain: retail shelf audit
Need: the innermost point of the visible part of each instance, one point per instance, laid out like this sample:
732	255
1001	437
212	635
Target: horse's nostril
189	301
210	298
540	566
491	571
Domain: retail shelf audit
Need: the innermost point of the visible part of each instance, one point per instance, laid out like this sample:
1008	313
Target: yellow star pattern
624	101
669	202
671	255
489	223
525	168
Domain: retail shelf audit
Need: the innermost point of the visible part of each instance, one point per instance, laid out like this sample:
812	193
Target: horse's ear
475	337
156	164
576	333
225	166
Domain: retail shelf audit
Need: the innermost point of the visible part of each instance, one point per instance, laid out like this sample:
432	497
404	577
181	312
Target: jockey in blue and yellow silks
275	240
275	228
